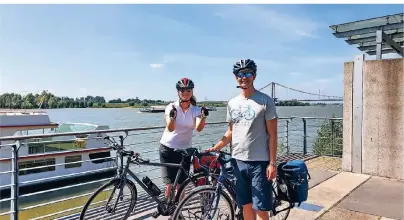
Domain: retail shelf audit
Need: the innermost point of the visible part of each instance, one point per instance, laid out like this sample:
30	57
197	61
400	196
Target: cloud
188	62
295	73
156	65
290	27
312	61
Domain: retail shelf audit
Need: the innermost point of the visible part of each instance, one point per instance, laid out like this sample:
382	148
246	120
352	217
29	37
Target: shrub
326	143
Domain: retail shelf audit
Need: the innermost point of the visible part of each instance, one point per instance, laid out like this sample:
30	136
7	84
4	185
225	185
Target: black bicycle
204	200
94	206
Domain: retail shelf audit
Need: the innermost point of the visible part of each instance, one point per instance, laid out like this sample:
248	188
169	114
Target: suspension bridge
300	96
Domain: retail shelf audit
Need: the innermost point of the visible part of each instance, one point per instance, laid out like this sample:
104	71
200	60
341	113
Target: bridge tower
273	91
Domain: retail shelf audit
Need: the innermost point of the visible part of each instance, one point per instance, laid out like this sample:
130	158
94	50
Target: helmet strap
182	100
244	87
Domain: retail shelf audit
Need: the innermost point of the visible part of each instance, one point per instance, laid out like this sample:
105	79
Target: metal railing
296	135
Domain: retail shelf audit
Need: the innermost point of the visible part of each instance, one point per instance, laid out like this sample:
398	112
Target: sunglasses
247	75
184	90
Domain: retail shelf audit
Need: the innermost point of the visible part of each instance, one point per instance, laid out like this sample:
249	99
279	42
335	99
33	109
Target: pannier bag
292	181
209	161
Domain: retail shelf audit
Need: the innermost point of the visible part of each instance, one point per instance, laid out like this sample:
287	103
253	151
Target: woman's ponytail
193	100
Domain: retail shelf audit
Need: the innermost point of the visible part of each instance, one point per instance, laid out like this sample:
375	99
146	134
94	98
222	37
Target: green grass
56	207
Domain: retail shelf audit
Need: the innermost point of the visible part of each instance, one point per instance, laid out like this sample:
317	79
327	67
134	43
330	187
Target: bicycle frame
180	167
123	170
223	180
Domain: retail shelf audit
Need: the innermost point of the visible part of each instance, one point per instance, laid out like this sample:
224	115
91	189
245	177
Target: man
253	132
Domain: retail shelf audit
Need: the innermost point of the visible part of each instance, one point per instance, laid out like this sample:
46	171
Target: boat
213	108
37	152
153	109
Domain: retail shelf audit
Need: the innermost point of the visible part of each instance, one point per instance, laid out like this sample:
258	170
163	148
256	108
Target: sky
128	51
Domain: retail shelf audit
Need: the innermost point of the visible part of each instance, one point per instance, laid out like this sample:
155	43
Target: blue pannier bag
293	184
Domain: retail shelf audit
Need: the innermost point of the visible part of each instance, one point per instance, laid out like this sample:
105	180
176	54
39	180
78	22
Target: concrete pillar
353	109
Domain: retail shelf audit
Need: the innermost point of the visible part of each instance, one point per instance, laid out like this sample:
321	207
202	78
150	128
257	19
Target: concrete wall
380	149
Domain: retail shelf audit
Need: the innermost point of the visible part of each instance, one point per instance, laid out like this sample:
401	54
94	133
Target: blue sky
142	50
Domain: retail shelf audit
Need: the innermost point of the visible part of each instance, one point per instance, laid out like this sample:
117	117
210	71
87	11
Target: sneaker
155	214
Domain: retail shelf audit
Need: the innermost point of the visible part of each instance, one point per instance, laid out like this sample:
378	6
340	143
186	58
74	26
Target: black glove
173	113
204	112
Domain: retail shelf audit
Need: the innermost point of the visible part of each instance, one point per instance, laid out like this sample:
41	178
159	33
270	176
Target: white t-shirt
181	137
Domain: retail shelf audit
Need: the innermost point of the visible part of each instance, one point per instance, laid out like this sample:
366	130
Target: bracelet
272	164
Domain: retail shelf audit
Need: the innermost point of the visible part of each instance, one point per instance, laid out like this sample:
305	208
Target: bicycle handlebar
219	155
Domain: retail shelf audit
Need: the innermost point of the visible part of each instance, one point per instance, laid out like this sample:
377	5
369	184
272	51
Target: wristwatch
272	164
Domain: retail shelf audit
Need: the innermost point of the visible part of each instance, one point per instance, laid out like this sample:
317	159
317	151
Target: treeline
291	103
48	100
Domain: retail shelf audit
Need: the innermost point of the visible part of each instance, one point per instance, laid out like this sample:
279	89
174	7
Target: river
130	117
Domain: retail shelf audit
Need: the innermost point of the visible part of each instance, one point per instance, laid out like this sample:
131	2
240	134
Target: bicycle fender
203	187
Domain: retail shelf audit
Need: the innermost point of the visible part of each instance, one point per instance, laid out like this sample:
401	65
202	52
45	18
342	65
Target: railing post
287	136
332	137
304	137
14	182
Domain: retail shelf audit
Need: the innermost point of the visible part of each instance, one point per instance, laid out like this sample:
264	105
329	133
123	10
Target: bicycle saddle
140	159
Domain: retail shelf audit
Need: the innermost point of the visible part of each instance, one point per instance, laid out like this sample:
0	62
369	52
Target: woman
182	117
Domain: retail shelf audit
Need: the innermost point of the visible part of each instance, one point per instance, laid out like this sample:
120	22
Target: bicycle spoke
205	205
105	204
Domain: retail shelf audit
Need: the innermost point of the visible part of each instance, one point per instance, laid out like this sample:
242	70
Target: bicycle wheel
198	179
104	201
207	208
281	207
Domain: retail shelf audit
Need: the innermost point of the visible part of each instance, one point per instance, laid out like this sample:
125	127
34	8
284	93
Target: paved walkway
337	195
354	196
334	195
377	197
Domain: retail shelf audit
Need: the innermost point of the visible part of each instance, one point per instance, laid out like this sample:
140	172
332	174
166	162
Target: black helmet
185	83
244	64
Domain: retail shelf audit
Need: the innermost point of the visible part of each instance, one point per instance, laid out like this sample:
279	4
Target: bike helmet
244	64
185	83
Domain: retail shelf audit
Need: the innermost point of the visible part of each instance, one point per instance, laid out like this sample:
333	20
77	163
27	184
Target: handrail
293	134
22	137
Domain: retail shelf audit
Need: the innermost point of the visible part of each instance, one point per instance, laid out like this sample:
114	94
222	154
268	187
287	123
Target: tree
49	100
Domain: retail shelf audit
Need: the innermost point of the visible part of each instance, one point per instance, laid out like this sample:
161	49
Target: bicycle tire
190	181
276	200
287	211
204	189
113	183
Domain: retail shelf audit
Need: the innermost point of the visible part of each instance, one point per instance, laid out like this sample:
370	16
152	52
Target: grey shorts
252	185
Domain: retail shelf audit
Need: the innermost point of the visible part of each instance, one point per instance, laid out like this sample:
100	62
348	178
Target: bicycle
226	181
248	113
164	207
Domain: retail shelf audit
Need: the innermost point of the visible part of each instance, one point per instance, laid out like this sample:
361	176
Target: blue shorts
252	184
